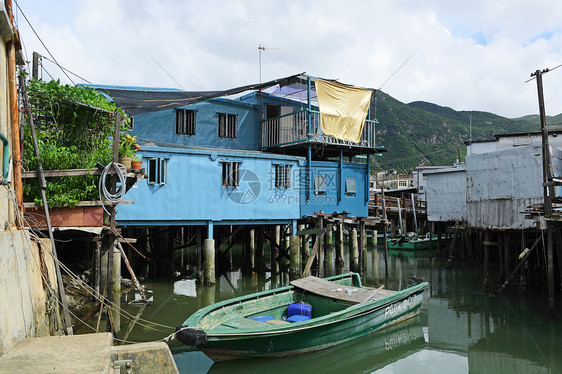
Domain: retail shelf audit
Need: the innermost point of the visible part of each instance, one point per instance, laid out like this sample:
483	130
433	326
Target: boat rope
113	198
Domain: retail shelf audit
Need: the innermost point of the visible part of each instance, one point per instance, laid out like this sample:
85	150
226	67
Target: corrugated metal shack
502	184
446	194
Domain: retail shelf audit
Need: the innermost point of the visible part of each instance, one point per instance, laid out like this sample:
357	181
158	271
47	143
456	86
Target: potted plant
127	147
136	162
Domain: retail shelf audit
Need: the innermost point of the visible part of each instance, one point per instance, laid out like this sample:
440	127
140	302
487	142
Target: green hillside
422	133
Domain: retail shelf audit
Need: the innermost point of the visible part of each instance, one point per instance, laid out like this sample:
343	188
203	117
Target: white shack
445	192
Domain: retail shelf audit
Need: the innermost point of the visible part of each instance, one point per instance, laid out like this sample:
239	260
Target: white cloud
469	56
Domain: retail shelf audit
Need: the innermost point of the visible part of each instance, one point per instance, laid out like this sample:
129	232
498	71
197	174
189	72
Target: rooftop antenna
260	49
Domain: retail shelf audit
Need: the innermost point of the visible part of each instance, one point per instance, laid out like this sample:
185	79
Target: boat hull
318	333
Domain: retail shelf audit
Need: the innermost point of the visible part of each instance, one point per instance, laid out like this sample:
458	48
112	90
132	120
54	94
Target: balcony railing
293	128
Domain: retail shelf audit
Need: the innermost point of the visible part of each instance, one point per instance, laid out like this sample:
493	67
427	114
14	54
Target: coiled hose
106	195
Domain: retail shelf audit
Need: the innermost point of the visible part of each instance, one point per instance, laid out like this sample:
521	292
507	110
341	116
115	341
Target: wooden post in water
362	246
486	280
97	265
252	249
275	250
260	260
339	246
353	251
328	245
506	255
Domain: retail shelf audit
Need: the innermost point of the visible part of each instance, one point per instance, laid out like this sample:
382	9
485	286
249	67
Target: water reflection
366	354
460	329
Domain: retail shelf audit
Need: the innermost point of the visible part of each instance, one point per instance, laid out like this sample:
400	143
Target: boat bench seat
240	322
336	291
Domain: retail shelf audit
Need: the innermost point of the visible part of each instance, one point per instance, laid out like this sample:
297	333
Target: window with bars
230	174
282	176
157	171
185	122
228	124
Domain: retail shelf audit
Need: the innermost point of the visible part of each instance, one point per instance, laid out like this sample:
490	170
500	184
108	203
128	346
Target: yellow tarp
343	109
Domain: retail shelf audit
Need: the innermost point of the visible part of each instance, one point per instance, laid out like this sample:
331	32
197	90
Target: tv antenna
262	48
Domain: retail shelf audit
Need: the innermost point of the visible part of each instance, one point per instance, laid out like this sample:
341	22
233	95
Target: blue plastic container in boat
299	309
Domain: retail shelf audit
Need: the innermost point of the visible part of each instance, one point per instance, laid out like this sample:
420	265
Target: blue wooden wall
194	194
334	198
161	126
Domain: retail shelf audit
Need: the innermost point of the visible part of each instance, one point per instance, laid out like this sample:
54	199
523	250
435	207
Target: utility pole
548	188
548	185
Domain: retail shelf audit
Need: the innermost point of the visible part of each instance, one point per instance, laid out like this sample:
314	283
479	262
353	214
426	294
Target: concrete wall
446	194
23	299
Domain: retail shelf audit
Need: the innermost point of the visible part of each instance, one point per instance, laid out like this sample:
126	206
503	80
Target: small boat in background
309	315
411	241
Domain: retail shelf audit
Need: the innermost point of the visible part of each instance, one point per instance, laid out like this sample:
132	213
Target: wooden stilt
353	251
339	246
486	280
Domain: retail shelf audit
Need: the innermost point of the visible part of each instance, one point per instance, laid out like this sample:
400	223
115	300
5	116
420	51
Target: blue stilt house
261	158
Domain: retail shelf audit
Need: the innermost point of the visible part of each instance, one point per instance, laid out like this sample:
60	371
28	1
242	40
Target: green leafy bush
74	128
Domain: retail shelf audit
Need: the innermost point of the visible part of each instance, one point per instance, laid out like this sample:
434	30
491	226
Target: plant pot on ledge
136	164
125	161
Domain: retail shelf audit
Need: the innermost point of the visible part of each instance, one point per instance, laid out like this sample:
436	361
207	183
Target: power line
76	75
47	49
165	71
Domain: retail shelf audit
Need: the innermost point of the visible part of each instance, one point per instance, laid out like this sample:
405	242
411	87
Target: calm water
461	329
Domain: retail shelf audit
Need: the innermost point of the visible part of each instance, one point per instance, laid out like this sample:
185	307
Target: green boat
413	242
256	325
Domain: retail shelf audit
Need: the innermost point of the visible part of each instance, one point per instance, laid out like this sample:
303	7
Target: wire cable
47	49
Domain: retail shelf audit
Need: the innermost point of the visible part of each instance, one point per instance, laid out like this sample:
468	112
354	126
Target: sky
471	55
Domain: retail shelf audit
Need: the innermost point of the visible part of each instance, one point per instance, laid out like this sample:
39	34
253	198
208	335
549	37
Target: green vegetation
74	127
422	133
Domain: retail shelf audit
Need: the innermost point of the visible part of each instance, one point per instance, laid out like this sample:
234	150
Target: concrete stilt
294	251
353	251
209	261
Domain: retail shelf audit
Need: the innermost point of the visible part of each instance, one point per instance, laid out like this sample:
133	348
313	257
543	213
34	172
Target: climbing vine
74	128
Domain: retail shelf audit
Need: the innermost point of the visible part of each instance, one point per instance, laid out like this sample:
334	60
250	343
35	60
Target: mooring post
294	251
353	251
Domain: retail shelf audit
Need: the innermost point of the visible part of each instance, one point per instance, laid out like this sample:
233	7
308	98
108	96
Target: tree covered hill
422	133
